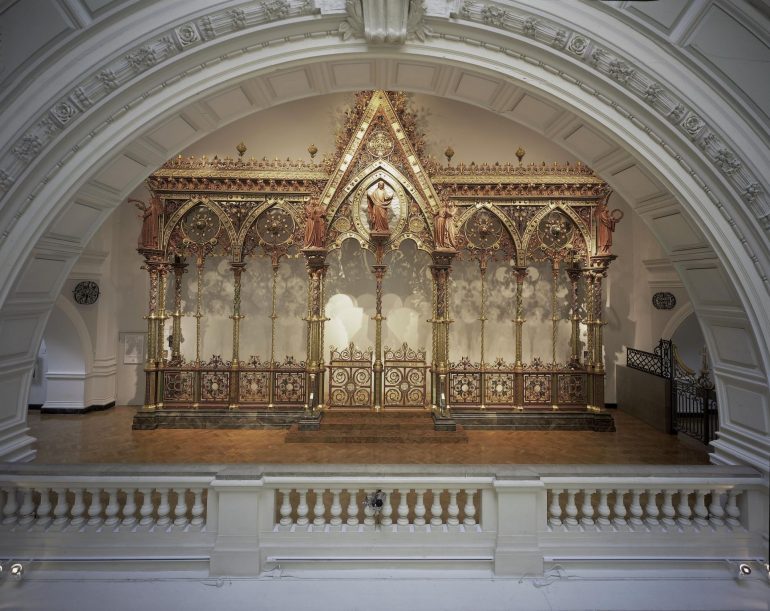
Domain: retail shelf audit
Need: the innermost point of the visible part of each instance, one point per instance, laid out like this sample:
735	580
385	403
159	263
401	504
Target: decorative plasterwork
384	21
622	70
100	83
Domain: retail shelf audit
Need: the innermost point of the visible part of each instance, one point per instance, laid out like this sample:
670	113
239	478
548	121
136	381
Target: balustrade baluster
27	509
700	511
112	508
129	508
197	508
435	509
78	508
146	509
336	508
571	509
302	508
453	510
352	508
667	509
716	512
403	507
651	508
635	509
368	515
285	509
732	510
319	509
95	508
470	508
180	510
44	508
554	509
419	508
603	509
619	509
587	508
163	508
61	508
387	509
683	508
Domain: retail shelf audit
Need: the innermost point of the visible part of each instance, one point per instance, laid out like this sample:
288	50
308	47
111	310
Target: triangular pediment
378	139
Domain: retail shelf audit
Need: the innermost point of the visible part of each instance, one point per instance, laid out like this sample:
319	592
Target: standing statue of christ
379	200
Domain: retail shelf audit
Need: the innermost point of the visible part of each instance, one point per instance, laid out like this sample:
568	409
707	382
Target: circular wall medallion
86	292
664	301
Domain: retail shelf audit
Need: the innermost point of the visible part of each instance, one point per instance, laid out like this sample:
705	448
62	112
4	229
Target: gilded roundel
200	225
379	144
483	230
275	227
555	230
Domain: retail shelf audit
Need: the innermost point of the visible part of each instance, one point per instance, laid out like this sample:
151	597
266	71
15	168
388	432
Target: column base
310	423
443	423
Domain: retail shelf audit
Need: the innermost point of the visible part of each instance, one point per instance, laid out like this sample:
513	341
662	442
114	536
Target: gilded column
273	317
316	268
152	263
440	269
200	262
160	334
179	267
483	321
379	273
574	272
521	275
554	311
236	318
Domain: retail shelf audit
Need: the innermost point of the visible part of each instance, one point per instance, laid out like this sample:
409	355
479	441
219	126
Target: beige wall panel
747	407
742	60
708	286
40	277
233	102
416	76
533	112
662	14
675	232
477	89
289	84
121	173
635	184
17	332
734	345
353	74
76	220
588	144
172	134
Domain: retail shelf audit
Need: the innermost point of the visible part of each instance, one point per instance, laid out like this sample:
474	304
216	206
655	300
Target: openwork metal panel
254	387
215	386
405	377
289	387
178	386
350	377
500	388
464	383
537	388
572	388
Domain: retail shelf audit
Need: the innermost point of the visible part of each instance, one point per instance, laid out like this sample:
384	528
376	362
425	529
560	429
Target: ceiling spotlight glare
744	570
17	570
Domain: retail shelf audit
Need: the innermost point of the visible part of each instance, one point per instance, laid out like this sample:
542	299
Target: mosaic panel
537	388
254	387
500	389
572	388
215	386
178	386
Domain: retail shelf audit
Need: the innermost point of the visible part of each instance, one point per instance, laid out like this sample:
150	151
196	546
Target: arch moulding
59	188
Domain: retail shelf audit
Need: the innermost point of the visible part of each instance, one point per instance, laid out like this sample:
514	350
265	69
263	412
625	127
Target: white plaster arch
677	319
69	184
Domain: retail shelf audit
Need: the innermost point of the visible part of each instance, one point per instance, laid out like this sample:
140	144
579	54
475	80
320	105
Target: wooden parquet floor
107	437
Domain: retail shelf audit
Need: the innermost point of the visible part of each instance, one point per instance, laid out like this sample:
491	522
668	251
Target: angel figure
605	222
315	225
379	200
444	231
150	215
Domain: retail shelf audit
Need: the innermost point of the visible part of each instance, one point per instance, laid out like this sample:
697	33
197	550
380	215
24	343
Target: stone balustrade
242	520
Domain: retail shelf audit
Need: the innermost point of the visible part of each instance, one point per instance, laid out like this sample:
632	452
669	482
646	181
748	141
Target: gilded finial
520	152
241	148
449	153
312	149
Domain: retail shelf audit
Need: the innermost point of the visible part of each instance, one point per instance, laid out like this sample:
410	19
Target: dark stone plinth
443	423
310	423
535	420
215	419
